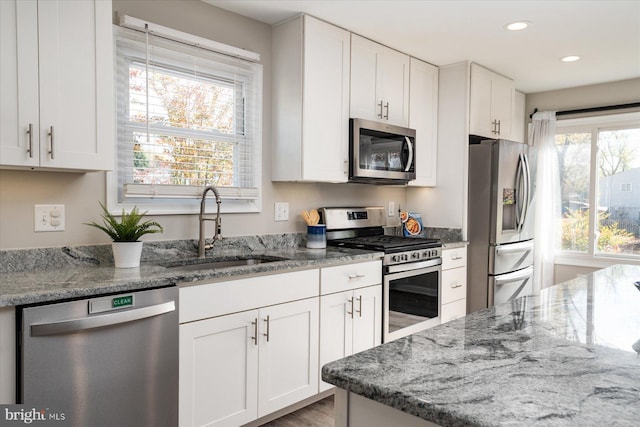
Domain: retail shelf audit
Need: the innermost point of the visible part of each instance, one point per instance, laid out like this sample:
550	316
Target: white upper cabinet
57	85
379	82
310	101
491	104
423	117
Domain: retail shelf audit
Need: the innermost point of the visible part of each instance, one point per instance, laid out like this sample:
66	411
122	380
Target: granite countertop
569	356
43	275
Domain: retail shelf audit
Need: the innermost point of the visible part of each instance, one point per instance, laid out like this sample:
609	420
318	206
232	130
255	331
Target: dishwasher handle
74	325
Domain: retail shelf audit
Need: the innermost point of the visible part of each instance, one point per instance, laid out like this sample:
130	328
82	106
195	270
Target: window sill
578	260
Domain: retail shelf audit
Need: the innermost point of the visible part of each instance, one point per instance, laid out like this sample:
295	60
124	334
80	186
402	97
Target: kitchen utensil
314	216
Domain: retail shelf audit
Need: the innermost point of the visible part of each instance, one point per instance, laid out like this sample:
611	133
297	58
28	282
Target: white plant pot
126	254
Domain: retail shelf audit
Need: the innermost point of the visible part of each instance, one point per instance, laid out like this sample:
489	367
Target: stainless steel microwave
380	153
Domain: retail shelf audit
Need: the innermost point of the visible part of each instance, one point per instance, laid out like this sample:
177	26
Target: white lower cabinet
219	371
258	356
454	284
350	320
288	354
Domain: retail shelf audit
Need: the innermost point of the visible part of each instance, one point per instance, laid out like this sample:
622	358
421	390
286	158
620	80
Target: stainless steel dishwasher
107	361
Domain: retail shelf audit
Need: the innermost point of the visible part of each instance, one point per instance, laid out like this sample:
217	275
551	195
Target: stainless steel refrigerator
500	222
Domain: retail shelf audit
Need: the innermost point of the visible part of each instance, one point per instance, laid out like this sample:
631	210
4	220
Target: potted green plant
126	246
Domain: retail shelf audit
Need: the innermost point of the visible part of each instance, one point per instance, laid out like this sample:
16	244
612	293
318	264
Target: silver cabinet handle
350	301
74	325
456	257
499	127
255	331
51	152
510	248
387	107
268	322
30	133
456	285
359	311
380	105
356	276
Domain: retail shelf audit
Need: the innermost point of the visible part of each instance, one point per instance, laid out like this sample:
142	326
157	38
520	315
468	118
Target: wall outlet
48	218
392	209
281	211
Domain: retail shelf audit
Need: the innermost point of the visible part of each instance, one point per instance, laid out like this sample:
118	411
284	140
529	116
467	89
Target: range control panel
412	256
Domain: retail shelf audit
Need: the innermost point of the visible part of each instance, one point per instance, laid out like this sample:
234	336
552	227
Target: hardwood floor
319	414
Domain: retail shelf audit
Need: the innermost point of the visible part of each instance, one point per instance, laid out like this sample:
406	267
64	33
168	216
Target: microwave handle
410	160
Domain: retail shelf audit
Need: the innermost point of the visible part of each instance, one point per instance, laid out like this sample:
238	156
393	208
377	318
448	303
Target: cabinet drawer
454	310
454	284
220	298
351	276
454	258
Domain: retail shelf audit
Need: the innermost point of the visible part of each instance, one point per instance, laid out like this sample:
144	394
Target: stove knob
415	255
425	254
394	258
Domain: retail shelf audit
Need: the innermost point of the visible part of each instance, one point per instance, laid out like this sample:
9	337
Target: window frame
593	125
235	199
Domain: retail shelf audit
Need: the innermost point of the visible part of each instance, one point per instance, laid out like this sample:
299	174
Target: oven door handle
410	266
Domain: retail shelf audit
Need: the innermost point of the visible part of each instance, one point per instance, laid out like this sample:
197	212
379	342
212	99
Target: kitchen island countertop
569	356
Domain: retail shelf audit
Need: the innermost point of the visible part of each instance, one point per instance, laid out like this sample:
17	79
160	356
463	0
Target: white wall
80	193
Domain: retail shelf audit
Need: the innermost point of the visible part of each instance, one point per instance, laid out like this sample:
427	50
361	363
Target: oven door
411	298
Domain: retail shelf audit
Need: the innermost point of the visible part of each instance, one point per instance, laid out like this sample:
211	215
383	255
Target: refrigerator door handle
514	277
519	192
515	247
527	186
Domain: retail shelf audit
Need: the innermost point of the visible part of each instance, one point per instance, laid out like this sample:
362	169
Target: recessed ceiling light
571	58
517	26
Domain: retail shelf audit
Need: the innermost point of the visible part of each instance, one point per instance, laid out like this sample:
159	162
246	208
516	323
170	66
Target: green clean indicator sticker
122	301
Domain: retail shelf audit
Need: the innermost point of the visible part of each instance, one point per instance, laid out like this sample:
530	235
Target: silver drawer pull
456	285
356	276
455	257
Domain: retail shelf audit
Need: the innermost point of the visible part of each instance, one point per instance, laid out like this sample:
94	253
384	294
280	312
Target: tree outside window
615	205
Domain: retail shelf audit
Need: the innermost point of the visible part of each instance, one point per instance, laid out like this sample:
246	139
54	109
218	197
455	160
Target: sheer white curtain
547	206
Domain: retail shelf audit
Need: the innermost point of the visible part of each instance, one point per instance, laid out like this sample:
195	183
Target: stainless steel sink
214	263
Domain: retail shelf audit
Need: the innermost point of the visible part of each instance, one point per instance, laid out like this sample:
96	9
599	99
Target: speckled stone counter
567	357
51	274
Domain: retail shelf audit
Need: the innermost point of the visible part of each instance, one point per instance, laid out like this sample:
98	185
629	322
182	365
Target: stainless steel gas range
411	267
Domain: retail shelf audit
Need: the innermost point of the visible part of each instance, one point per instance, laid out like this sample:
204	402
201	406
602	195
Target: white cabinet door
311	61
491	102
75	84
325	113
480	116
379	82
502	92
367	318
453	298
365	97
350	322
394	87
219	371
336	330
423	117
19	83
288	368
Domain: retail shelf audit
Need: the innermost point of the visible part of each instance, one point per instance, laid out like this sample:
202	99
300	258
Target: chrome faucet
202	244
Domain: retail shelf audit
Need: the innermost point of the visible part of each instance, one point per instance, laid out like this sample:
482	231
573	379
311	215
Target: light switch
281	211
48	218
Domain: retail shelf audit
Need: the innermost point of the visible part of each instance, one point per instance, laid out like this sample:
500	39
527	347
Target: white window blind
187	117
